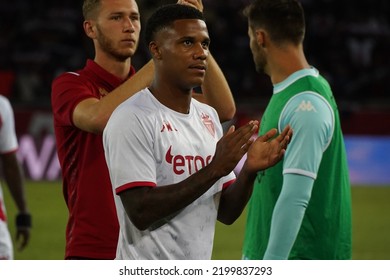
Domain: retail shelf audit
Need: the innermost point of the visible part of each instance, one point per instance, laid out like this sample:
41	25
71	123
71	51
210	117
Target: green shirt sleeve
288	214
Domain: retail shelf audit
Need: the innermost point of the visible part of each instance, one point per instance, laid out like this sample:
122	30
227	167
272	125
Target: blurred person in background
82	102
301	207
170	165
14	179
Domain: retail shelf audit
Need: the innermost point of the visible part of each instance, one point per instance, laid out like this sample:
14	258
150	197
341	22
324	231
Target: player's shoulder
136	111
203	107
139	104
4	103
68	76
3	99
308	111
310	101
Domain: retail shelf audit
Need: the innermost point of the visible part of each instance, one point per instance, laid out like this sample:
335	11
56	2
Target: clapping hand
264	152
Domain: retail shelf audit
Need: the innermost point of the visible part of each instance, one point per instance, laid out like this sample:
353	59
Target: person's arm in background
215	89
15	181
216	92
92	114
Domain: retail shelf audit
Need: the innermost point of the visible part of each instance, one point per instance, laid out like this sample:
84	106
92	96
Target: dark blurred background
348	41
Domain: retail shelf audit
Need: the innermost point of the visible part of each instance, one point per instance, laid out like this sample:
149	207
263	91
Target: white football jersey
148	144
8	140
8	144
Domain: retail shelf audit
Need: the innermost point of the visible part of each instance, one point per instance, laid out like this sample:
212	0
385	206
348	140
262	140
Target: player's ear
260	37
89	29
155	50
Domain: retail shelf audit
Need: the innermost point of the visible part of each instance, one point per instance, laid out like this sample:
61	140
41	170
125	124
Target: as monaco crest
208	123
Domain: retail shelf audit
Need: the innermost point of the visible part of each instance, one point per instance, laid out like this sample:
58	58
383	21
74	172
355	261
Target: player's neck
119	69
172	97
287	63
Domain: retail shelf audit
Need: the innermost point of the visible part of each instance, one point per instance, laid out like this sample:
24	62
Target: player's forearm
14	179
148	206
143	78
216	91
288	215
235	197
93	115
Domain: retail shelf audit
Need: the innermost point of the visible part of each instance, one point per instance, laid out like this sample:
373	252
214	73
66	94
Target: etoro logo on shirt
189	163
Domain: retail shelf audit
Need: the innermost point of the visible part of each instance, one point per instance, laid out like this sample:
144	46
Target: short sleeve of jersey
312	120
128	150
8	140
67	91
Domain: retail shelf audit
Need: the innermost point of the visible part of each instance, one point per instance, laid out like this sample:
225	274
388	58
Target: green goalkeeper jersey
316	151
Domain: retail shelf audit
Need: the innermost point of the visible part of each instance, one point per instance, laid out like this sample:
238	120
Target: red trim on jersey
227	184
2	214
134	185
9	152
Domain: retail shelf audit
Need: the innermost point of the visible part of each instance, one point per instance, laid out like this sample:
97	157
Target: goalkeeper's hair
284	20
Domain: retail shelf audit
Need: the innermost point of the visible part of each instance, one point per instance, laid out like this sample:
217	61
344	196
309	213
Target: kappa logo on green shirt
306	106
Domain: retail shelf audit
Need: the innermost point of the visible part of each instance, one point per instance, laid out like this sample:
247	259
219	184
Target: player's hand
23	226
22	237
232	147
197	4
265	152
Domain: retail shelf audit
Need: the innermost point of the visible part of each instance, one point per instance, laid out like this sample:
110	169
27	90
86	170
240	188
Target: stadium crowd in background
348	40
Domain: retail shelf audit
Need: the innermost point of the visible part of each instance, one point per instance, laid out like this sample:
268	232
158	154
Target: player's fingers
244	133
23	244
284	137
245	147
268	135
194	3
22	237
287	132
231	129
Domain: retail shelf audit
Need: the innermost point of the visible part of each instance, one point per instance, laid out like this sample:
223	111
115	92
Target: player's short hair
166	15
284	20
90	7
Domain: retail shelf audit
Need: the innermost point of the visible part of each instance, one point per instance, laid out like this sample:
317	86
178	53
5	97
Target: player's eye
187	43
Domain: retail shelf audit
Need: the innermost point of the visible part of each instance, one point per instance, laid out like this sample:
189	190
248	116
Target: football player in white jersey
170	164
14	179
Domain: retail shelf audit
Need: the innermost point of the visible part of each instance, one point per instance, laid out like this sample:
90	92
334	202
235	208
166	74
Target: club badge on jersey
208	123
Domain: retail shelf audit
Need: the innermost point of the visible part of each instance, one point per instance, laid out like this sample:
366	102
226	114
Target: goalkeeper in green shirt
301	207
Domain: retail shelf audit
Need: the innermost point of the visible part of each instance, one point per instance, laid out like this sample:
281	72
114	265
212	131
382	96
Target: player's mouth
200	68
129	42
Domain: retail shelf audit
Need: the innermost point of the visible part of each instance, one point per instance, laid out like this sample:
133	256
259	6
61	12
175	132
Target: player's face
184	51
257	52
118	28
